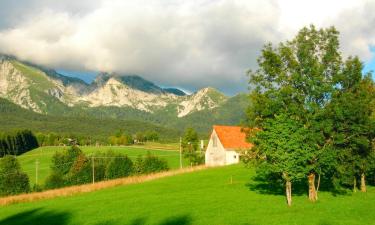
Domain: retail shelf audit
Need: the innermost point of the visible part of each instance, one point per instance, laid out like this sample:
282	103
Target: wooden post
180	153
93	170
36	171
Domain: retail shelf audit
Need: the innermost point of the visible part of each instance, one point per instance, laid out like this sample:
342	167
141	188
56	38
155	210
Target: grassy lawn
203	197
44	156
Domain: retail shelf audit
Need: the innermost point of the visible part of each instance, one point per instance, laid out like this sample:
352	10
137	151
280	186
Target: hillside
203	197
14	117
115	96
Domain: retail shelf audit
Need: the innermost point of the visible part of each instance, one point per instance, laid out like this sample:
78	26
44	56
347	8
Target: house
225	145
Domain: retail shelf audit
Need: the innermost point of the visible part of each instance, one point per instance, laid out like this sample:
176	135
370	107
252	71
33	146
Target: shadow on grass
268	187
175	220
37	217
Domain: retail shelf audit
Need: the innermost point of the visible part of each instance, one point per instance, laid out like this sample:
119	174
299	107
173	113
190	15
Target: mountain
111	95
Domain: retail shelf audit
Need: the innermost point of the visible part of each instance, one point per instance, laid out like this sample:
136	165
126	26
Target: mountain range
111	95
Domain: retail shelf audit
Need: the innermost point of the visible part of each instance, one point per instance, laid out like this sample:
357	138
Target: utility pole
180	153
93	170
36	171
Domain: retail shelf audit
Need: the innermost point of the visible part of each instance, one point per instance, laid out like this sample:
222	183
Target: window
235	156
214	141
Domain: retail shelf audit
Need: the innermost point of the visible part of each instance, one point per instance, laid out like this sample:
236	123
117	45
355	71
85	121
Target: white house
225	145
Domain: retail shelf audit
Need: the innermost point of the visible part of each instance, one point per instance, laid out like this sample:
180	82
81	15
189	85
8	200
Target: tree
353	129
296	79
152	136
282	146
119	166
62	163
190	143
12	179
150	164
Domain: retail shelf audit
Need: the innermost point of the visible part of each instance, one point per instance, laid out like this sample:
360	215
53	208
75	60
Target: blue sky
370	65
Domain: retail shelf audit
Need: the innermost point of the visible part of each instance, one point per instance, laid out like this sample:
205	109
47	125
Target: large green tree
296	79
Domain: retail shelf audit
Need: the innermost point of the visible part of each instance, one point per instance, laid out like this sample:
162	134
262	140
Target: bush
54	180
120	166
80	172
150	164
12	179
63	161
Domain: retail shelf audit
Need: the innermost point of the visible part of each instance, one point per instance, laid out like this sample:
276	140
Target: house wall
232	157
215	156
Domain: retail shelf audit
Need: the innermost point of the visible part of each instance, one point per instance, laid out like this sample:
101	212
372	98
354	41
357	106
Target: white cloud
186	43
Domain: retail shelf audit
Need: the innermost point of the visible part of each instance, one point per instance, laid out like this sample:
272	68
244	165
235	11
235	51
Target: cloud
190	44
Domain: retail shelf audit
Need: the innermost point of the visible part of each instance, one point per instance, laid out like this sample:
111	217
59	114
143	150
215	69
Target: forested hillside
13	117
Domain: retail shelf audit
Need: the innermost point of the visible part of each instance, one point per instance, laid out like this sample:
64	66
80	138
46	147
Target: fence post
93	169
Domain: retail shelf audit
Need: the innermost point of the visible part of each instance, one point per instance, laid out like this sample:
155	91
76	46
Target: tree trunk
317	187
355	184
288	189
312	189
363	182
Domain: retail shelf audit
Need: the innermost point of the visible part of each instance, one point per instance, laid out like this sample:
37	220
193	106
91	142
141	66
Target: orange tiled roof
232	137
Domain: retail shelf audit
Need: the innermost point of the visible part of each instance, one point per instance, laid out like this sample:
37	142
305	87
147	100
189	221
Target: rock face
37	89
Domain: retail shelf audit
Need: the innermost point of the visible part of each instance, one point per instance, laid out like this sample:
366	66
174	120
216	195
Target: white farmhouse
225	145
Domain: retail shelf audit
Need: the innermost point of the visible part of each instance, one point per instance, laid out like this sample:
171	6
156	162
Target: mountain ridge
115	96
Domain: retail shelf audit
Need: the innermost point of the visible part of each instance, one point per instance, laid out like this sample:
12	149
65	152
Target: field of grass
44	156
202	197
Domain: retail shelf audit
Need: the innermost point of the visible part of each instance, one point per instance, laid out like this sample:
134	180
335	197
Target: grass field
203	197
44	156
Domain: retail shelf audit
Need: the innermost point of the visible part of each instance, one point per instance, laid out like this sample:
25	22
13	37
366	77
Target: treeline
314	114
120	138
73	167
123	138
81	125
17	142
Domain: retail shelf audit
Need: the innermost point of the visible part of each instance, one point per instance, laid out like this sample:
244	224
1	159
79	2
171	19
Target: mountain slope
14	117
113	96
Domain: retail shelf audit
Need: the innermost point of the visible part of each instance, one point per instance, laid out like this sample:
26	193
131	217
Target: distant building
225	145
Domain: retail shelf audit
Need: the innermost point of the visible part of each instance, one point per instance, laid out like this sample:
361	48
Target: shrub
63	161
12	179
80	172
150	164
54	180
120	166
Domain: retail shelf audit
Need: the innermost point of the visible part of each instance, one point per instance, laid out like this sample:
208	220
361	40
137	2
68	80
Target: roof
232	137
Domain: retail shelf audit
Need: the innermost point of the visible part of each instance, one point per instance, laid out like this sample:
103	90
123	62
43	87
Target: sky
174	43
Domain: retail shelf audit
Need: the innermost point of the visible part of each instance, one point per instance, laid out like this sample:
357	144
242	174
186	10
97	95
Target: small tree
12	179
150	164
119	166
190	144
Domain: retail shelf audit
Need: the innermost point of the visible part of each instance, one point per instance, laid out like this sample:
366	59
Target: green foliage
150	164
190	143
80	172
85	128
353	128
282	146
12	179
324	103
73	167
17	142
119	166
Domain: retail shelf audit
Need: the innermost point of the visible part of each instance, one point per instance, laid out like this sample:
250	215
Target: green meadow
44	156
218	196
